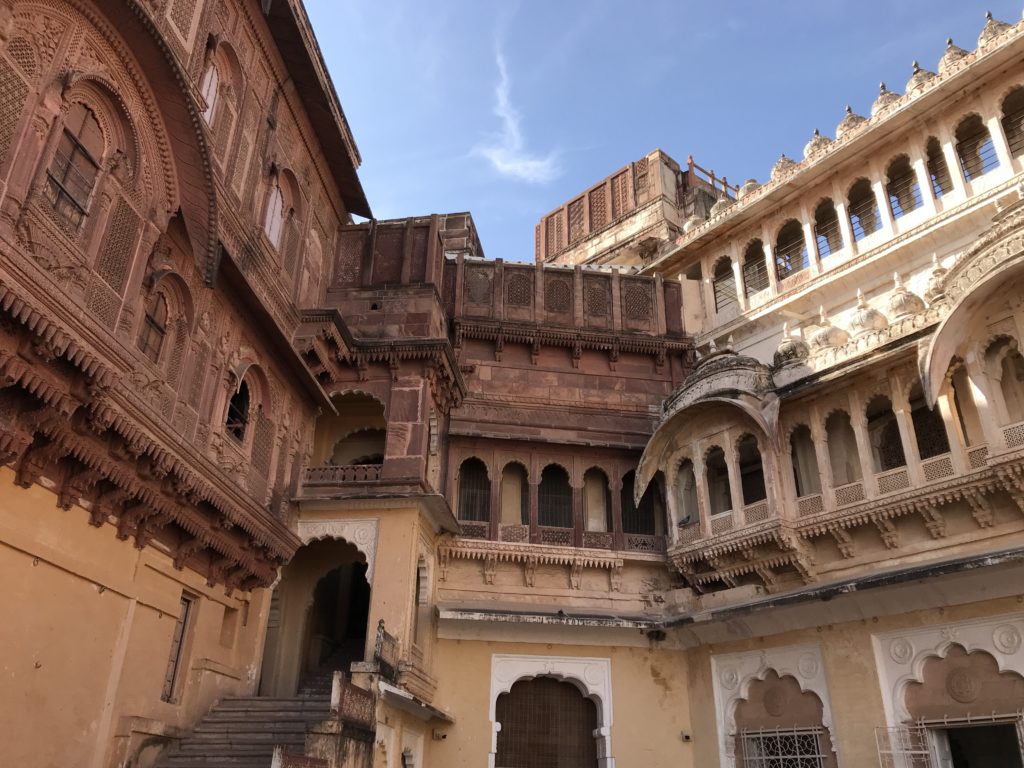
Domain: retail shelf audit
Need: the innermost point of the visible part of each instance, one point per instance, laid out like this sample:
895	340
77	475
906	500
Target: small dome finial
860	298
897	281
915	65
988	15
822	316
882	88
785	328
949	42
817	132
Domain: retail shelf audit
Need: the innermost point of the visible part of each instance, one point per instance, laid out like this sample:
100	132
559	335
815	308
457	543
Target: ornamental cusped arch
724	380
978	277
159	104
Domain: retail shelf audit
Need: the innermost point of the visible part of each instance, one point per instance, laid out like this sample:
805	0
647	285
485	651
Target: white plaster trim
733	673
900	656
362	534
593	676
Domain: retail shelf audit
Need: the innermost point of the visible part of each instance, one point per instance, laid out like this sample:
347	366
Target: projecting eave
911	109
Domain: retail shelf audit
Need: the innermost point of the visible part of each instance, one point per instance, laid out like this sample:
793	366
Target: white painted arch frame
901	655
592	676
362	534
732	675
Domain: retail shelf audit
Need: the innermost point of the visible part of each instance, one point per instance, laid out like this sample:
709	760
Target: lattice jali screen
545	723
782	748
1014	435
517	533
598	208
721	524
937	468
518	289
689	533
849	494
978	457
118	246
13	92
809	505
577	229
897	480
756	513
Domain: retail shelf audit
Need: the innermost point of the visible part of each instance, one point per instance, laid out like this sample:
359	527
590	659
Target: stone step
239	748
251	702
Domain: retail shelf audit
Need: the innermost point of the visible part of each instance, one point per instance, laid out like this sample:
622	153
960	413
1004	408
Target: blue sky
508	109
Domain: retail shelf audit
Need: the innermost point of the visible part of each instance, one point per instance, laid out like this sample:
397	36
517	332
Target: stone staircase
241	732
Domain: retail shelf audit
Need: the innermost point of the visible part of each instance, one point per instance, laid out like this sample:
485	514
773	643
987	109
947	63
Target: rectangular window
174	662
782	748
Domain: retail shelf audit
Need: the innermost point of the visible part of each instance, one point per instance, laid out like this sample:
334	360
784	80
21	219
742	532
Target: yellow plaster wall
87	635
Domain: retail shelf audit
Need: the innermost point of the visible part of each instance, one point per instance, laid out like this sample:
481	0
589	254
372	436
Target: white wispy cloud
506	151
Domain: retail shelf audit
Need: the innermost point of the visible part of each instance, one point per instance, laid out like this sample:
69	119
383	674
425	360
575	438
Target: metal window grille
724	286
827	232
177	643
903	190
755	272
554	498
545	723
975	149
864	216
154	328
474	492
903	747
790	251
782	748
938	170
1013	127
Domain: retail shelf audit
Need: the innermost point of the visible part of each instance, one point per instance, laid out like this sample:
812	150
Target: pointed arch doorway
318	619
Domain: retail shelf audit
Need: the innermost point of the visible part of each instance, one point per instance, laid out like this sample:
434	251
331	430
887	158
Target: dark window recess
154	327
474	492
554	498
75	166
755	269
938	170
546	723
238	413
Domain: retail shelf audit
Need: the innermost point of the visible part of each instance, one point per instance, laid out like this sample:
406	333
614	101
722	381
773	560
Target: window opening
966	409
863	208
645	519
274	220
805	462
751	470
724	285
1013	121
827	231
975	149
76	164
554	498
929	428
209	90
686	490
597	501
843	455
783	748
154	327
884	434
790	250
719	493
238	412
515	495
546	723
474	492
902	188
938	170
755	269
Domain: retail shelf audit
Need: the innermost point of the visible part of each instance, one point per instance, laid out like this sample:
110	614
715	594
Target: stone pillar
884	211
956	173
810	242
495	507
737	271
1002	147
769	258
839	200
735	485
672	506
957	440
905	422
987	403
819	439
618	538
924	179
867	465
578	523
703	504
534	524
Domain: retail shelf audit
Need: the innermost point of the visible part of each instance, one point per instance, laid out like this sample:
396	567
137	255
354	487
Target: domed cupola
721	205
849	123
818	143
865	318
791	349
936	281
919	78
885	98
903	303
952	55
750	185
827	335
992	29
783	167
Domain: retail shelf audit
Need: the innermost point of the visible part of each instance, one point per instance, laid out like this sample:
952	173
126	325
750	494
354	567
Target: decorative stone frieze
362	534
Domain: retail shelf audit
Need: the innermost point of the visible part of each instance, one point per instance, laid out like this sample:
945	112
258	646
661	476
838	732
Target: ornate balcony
342	474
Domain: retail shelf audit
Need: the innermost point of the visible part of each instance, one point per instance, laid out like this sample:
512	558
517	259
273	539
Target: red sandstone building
706	485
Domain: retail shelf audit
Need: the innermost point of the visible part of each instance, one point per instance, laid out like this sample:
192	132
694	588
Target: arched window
154	327
805	462
719	492
647	518
209	87
724	284
755	270
554	498
790	250
938	170
474	492
974	147
966	408
686	493
863	208
827	231
884	434
844	458
361	447
76	164
929	428
751	470
1013	121
274	220
597	501
515	495
238	412
901	187
1011	384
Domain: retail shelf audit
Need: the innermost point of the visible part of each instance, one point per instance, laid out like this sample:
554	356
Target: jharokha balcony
329	475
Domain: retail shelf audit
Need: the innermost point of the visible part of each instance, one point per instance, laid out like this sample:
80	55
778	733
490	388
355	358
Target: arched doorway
545	723
318	619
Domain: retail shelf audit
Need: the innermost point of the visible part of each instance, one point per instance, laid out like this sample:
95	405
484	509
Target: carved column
618	538
819	439
578	523
703	504
987	403
859	423
735	484
999	143
494	518
956	172
924	179
810	242
957	440
905	422
843	214
534	508
769	259
884	211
